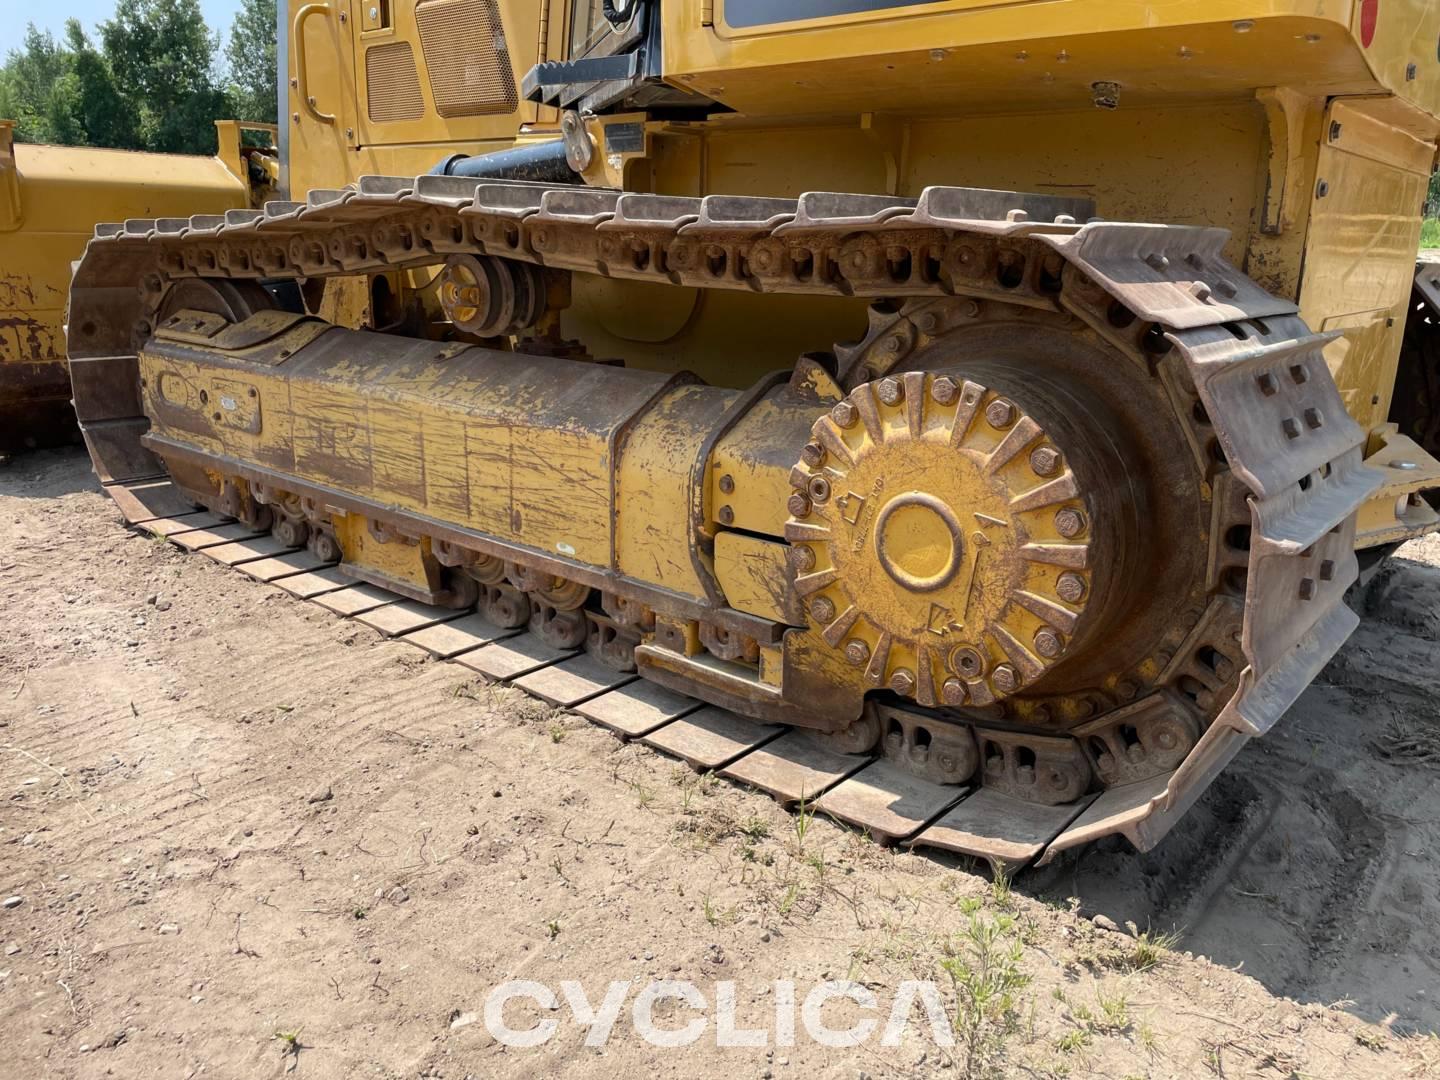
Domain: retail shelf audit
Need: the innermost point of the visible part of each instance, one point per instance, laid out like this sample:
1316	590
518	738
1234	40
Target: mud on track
160	773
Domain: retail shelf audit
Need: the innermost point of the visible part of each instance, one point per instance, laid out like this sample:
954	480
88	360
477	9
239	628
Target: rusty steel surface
1107	649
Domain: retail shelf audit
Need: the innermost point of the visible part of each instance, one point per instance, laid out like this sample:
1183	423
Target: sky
51	15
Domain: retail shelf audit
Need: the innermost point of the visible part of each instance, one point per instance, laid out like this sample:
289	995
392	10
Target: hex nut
1000	413
1048	643
1069	523
1070	587
1044	460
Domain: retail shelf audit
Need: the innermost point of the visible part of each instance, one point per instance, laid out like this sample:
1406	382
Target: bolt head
798	505
822	609
1000	413
818	489
966	661
1307	589
944	390
1048	643
1044	460
802	558
1070	588
727	484
890	391
857	652
1126	689
844	414
903	682
952	692
812	454
1069	523
1004	678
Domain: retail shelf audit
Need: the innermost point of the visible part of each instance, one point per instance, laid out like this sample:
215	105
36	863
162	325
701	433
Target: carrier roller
1069	525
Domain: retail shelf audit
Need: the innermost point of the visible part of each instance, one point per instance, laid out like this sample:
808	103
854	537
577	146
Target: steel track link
1271	417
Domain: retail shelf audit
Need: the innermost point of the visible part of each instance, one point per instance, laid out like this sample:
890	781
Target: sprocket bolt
1000	413
1047	643
1069	587
812	454
857	652
1069	522
903	682
890	391
944	390
802	557
819	489
952	692
798	505
822	609
844	414
1044	460
966	661
1004	679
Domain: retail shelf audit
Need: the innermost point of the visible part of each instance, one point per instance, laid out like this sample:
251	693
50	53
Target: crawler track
1268	429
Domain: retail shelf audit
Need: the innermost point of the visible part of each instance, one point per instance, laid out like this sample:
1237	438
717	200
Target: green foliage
984	965
151	84
162	53
1430	233
251	53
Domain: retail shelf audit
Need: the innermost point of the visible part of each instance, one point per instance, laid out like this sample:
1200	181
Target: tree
101	110
160	52
251	53
38	91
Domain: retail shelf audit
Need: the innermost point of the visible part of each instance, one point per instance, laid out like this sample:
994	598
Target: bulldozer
971	414
50	199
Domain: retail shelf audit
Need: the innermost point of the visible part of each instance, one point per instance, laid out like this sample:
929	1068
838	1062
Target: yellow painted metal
50	199
520	448
1360	249
1011	56
1395	512
652	503
754	577
1222	120
388	560
750	465
1403	53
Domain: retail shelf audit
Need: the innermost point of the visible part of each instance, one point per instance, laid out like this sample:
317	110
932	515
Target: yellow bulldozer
50	199
968	416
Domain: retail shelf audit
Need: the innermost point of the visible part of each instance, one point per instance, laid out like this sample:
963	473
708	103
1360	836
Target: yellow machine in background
50	199
1004	388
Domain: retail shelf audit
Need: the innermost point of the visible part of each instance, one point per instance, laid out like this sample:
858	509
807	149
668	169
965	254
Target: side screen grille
392	83
465	52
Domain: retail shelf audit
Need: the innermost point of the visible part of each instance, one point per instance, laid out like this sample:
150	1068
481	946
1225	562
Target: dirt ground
247	838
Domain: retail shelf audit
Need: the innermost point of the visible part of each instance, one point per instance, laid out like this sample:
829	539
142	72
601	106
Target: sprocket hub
955	544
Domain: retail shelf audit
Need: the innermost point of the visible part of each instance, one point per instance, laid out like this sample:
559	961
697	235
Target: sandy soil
249	838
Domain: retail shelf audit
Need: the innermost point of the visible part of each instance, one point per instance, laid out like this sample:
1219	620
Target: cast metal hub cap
942	540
